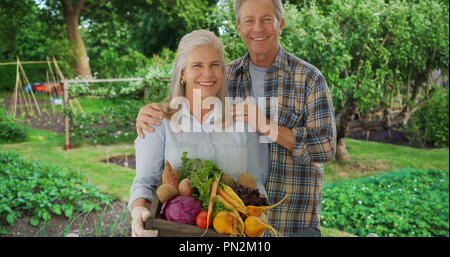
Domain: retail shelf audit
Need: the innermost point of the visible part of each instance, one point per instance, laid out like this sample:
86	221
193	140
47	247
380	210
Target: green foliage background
430	124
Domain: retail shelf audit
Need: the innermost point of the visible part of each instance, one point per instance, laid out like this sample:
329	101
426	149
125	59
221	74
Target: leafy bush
40	190
429	125
10	131
401	203
155	71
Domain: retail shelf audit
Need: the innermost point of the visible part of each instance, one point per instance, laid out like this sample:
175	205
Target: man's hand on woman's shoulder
149	114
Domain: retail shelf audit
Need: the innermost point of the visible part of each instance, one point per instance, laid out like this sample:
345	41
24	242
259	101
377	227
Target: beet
249	196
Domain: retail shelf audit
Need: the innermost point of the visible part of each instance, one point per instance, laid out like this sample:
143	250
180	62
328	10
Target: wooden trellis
19	95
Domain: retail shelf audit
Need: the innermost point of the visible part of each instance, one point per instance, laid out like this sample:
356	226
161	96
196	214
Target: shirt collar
280	62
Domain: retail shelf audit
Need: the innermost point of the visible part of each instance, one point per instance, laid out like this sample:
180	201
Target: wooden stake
15	90
26	79
66	118
51	98
61	77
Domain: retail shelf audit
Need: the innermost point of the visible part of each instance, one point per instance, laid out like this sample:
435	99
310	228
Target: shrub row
10	131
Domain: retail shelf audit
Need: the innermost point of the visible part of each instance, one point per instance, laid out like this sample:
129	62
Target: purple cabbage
181	209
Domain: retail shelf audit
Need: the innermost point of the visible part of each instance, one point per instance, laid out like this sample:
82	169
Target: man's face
259	28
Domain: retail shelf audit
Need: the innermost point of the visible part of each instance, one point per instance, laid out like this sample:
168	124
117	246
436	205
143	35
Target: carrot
230	192
213	193
229	199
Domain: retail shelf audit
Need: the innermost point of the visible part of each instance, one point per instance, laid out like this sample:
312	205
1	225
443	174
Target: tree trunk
343	120
341	151
71	17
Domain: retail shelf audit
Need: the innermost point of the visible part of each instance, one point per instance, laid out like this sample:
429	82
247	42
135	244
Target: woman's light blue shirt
233	152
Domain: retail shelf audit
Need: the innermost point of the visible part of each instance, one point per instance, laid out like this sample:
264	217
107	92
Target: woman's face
203	71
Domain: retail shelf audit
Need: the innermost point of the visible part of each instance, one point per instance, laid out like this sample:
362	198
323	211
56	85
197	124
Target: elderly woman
206	131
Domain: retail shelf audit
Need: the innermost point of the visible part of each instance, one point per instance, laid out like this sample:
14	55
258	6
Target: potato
165	191
227	179
184	188
170	175
247	180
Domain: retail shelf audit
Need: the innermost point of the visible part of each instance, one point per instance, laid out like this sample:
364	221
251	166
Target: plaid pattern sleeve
315	138
304	106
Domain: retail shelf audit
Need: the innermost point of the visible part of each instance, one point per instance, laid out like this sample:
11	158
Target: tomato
201	219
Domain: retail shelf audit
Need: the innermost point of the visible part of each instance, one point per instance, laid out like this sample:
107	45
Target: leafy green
201	174
39	190
187	166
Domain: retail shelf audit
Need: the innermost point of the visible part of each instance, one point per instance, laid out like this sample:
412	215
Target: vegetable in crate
227	179
258	210
170	176
213	191
165	192
255	227
240	225
181	209
231	197
247	180
201	175
226	222
185	187
249	196
201	219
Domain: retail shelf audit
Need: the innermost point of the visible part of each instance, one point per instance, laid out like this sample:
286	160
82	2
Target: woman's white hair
188	43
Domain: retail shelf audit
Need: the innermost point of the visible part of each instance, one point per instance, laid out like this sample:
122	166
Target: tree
29	32
164	22
377	56
84	12
72	13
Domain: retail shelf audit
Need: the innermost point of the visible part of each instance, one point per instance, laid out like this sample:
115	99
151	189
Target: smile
260	38
206	84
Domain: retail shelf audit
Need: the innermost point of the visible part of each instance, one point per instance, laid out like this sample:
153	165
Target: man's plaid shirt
304	106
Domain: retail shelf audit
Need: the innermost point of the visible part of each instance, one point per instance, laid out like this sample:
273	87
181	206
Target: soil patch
360	168
49	119
388	136
110	221
128	161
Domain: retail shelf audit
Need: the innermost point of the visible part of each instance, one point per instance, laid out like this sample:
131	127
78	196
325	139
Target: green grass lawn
369	158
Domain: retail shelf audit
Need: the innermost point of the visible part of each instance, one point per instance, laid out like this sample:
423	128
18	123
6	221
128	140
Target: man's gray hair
188	43
277	5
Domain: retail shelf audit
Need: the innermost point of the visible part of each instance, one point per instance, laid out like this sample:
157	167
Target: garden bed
110	221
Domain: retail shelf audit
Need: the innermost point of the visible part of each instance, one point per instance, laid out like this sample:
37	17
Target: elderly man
306	132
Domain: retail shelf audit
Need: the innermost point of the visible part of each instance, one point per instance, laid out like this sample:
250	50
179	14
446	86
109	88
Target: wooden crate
174	229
